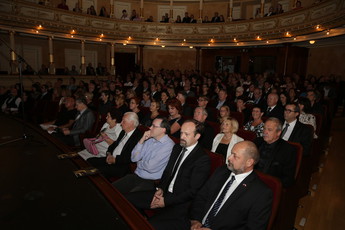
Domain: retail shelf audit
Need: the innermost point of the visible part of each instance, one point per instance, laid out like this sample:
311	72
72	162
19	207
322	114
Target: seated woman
305	116
225	140
256	125
146	102
283	98
105	104
224	112
241	107
175	118
154	112
109	132
134	107
164	98
120	104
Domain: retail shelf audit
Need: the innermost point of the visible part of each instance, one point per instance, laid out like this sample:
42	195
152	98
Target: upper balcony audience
63	5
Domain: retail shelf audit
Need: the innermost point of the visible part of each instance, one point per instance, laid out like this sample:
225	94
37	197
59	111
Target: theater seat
275	185
217	160
246	134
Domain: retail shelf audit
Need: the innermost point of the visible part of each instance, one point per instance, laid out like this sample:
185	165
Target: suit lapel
239	191
294	131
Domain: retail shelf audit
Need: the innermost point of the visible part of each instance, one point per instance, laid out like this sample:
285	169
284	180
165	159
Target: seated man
278	158
186	171
65	117
234	197
273	108
202	102
295	131
206	139
83	122
118	159
151	154
187	110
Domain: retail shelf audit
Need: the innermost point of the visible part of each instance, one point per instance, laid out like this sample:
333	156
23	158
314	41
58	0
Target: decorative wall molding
24	17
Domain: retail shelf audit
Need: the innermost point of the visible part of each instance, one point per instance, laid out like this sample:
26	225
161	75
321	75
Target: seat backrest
299	150
215	126
318	119
246	134
217	160
238	116
143	128
275	185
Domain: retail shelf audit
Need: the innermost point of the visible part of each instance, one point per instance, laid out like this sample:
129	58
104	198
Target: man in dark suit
185	173
186	109
277	157
273	108
202	102
222	100
295	131
83	122
216	17
258	98
117	162
234	197
155	95
186	18
206	139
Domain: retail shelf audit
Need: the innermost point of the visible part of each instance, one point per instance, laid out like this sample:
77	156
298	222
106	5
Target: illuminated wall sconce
235	39
124	44
312	42
328	32
163	46
191	47
39	27
129	38
294	38
267	42
102	35
184	40
212	40
258	37
209	44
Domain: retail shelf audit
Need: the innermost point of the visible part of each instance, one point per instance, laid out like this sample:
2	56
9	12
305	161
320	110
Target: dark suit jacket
304	135
277	112
83	124
187	110
248	207
124	159
191	176
206	138
282	163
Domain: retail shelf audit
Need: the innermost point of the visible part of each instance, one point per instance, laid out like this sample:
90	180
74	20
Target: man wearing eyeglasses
151	155
295	131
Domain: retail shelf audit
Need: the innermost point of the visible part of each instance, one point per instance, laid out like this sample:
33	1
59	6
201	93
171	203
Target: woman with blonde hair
224	112
227	138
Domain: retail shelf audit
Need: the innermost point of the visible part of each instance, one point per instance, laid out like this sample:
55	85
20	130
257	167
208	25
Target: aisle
325	207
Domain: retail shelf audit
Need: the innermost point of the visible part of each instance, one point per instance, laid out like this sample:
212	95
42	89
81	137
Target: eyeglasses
290	111
155	126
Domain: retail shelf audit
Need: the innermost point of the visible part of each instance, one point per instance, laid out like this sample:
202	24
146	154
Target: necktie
212	214
269	110
178	161
285	129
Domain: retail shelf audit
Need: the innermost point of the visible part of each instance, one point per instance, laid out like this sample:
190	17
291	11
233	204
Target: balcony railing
24	17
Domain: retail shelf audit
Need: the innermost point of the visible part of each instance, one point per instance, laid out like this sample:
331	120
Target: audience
83	122
118	158
227	138
106	137
63	5
151	154
187	170
277	157
249	210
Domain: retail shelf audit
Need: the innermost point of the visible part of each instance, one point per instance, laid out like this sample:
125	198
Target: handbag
90	144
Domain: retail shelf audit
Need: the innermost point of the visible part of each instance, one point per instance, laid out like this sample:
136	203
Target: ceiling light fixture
312	42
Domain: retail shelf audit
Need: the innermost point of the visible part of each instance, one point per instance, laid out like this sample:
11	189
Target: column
112	59
231	7
200	10
140	56
13	57
112	15
80	3
198	58
171	12
262	8
82	58
51	69
142	9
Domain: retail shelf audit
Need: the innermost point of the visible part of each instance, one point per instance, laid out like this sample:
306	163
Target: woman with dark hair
293	98
105	104
256	125
175	118
305	116
154	112
120	104
164	98
283	98
146	102
134	107
109	133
